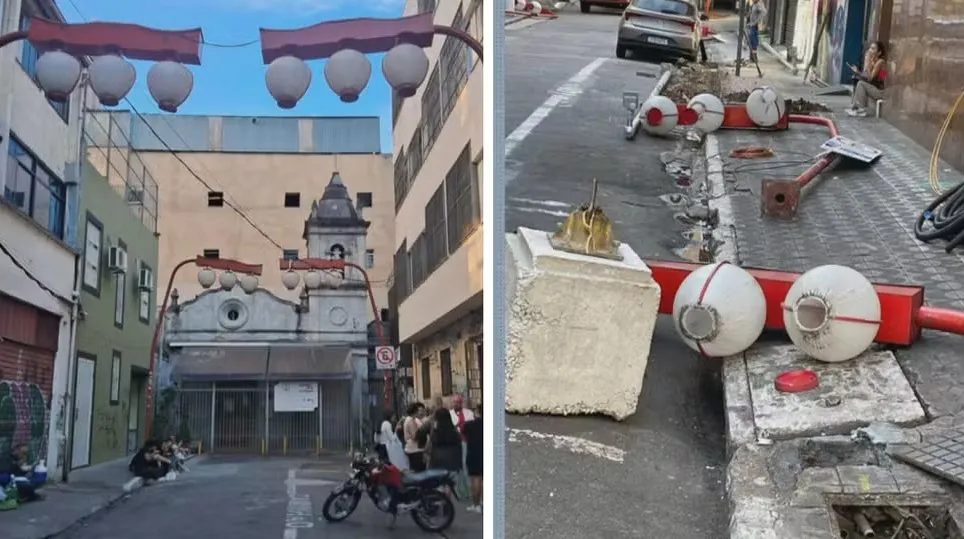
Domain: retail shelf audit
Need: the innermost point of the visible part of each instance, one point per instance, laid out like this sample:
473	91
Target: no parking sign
385	357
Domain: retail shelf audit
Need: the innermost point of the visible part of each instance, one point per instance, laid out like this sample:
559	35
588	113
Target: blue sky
230	81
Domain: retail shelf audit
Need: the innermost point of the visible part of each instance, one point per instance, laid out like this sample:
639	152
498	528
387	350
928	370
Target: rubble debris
691	79
896	522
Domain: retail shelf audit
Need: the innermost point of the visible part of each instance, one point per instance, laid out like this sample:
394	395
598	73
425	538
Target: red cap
796	381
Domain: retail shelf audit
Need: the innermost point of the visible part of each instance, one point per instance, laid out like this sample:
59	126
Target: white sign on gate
385	357
296	396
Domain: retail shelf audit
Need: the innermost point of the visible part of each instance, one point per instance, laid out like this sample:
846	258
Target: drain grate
940	454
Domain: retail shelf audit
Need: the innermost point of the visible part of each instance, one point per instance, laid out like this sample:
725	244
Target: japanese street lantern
58	74
111	78
170	83
832	313
333	278
719	310
288	79
290	279
312	279
228	279
248	283
709	110
405	68
659	115
765	106
206	278
347	73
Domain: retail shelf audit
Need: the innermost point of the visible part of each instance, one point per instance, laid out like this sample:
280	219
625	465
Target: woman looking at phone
869	82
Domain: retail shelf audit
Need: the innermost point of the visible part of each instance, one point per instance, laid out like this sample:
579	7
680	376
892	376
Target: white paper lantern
290	279
719	310
248	283
111	78
405	68
170	83
710	111
347	73
288	79
765	106
334	278
58	74
312	279
206	278
659	115
228	279
832	313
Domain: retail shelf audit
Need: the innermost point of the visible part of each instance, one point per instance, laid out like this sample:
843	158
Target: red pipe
808	175
936	318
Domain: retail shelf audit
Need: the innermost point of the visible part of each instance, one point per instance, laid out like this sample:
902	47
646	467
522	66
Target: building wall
926	72
97	334
455	286
458	339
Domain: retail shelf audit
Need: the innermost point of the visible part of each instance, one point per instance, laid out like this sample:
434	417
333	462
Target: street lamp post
233	273
327	273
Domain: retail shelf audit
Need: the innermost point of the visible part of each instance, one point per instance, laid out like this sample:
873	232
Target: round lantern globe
312	279
710	111
347	73
405	68
765	106
111	78
228	279
334	279
170	83
248	283
290	279
206	278
288	79
659	114
58	74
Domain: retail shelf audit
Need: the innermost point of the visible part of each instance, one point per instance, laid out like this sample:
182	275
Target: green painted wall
98	337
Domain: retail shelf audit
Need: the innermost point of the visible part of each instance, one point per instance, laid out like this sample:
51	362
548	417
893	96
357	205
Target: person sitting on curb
148	464
15	466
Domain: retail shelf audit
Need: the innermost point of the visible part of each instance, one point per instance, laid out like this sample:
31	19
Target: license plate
658	40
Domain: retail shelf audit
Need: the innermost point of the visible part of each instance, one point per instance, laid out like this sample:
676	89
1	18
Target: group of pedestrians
441	438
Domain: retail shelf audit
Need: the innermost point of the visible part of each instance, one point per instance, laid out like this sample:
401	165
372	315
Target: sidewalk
89	491
858	217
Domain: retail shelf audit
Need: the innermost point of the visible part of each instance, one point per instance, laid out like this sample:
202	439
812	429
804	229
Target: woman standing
473	458
413	450
444	443
384	436
869	82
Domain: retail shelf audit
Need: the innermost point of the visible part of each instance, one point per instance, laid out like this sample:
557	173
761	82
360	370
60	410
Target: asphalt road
659	473
252	498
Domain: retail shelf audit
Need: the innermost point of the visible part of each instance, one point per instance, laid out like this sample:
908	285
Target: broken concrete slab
868	389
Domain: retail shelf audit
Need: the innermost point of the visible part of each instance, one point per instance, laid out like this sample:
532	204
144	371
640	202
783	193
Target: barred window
415	154
427	6
416	260
401	181
463	214
435	229
431	111
402	283
455	72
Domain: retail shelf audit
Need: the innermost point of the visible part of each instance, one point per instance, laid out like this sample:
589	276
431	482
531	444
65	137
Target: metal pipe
939	319
824	162
462	36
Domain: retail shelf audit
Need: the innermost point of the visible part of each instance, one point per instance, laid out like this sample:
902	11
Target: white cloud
310	7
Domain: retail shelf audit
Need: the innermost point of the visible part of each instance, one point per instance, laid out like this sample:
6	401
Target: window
671	7
416	261
415	153
369	258
462	211
445	358
364	200
120	292
93	237
292	200
115	378
427	6
212	253
436	249
290	254
30	55
144	293
33	189
426	378
215	199
431	111
454	69
401	180
402	283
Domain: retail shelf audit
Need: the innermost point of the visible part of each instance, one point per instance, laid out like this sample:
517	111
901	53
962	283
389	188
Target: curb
633	128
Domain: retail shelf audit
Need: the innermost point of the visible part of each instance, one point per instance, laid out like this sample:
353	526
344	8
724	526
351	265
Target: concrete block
867	480
580	329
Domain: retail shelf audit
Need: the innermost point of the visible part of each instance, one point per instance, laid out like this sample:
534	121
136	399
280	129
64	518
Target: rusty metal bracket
780	198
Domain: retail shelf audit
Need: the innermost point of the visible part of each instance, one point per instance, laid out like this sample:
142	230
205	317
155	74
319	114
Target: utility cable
26	271
943	219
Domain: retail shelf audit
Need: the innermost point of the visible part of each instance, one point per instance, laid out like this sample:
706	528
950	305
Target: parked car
584	5
669	27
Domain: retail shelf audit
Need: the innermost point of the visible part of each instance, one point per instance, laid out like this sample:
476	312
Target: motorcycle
418	493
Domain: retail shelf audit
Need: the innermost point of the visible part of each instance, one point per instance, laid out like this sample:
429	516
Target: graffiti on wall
24	417
108	429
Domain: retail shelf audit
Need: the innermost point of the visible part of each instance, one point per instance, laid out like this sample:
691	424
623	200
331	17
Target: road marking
571	443
298	513
550	203
567	92
554	213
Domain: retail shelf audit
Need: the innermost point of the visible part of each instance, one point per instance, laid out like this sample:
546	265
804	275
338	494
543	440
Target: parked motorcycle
419	493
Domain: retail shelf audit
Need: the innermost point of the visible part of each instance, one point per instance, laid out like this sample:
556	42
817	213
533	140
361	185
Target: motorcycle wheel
436	512
341	513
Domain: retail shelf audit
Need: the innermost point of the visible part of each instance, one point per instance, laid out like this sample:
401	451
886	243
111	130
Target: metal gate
239	417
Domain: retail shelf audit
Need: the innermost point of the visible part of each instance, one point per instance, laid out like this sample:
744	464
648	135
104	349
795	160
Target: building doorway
136	409
84	405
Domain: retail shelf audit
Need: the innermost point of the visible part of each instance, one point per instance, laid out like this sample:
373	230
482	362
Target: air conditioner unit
145	279
117	260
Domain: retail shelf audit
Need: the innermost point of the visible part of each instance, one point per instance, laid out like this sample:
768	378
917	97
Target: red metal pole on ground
938	319
221	264
323	264
781	198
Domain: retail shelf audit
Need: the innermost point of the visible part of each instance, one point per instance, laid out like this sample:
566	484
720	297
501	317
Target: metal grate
941	454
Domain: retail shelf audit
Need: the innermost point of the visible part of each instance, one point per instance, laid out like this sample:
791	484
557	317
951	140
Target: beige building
438	147
273	169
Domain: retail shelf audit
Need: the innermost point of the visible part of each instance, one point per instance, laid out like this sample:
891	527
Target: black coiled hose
943	219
